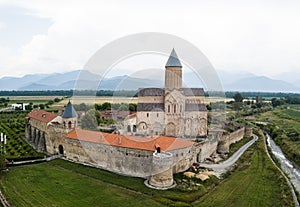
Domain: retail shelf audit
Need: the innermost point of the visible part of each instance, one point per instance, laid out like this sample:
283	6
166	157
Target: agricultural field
13	125
253	182
88	100
284	127
98	100
33	99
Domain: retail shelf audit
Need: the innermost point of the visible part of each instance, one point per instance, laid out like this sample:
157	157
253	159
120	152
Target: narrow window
169	108
174	108
147	114
158	149
157	114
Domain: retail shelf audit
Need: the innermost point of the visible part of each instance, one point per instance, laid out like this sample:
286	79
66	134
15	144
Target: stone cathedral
173	110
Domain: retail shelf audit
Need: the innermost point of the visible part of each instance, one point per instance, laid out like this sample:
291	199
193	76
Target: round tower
162	173
173	73
69	117
248	131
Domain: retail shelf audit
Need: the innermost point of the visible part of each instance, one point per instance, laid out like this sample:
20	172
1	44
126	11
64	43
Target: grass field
28	99
57	186
254	182
286	121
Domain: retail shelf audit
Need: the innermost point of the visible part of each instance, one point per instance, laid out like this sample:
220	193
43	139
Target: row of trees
116	106
133	93
69	93
42	106
107	106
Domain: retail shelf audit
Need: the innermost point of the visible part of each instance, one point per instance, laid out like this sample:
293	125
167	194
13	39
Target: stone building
173	110
152	158
163	116
45	131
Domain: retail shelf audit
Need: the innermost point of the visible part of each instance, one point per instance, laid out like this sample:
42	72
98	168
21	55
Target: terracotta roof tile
130	116
42	115
142	143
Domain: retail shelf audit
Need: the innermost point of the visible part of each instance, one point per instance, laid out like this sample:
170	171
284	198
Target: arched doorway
61	149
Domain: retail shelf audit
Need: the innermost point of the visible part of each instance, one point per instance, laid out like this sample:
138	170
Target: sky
258	36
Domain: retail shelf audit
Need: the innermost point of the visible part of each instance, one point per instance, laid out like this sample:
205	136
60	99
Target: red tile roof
142	143
130	116
42	115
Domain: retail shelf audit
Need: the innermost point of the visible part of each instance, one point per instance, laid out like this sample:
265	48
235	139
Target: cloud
262	38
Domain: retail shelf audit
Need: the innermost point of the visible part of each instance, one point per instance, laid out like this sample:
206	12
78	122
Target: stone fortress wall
126	161
229	138
173	111
158	170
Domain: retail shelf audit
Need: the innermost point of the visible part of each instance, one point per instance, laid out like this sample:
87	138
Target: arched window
134	128
180	108
174	109
128	128
70	124
61	149
147	114
169	108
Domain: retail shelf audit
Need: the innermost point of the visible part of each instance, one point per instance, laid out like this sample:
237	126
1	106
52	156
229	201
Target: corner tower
69	117
173	73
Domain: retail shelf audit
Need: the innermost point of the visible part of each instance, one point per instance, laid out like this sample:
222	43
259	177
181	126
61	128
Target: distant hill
261	83
14	83
88	80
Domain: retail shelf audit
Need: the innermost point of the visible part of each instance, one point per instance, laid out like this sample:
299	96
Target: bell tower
173	72
70	117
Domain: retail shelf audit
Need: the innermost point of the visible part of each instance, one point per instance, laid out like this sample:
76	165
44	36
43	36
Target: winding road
223	166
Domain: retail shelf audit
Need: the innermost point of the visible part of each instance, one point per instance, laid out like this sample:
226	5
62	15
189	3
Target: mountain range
88	80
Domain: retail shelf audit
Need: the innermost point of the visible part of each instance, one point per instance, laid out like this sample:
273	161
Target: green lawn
50	185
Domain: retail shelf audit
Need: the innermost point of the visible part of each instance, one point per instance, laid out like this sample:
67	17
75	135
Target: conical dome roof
173	60
69	111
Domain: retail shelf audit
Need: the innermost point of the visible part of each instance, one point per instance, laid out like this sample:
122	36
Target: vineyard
13	125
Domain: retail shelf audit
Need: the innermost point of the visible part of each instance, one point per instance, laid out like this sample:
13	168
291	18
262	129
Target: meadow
284	127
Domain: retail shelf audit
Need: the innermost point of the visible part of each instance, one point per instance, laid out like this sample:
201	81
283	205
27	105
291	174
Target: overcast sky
261	37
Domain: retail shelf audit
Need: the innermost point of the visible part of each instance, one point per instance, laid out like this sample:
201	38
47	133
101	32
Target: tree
42	106
28	107
277	102
82	107
56	100
90	120
132	107
238	97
